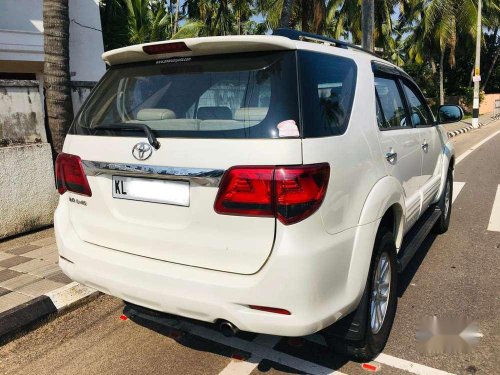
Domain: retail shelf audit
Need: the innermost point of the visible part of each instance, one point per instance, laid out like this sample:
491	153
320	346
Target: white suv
273	184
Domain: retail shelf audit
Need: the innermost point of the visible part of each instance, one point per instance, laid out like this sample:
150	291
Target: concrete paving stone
12	299
46	271
52	258
8	274
31	265
14	261
44	241
19	281
4	256
4	291
40	287
60	277
22	249
41	252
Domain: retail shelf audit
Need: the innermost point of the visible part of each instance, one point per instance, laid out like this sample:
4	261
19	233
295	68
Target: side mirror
449	113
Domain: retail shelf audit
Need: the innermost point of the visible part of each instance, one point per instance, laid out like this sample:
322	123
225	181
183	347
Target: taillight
70	175
291	194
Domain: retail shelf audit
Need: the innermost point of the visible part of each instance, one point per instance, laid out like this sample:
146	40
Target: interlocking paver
4	256
42	253
3	291
22	249
40	287
60	277
31	265
19	281
8	274
12	299
14	261
44	241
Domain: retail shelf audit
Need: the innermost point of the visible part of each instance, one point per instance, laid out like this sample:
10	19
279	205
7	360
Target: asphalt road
455	274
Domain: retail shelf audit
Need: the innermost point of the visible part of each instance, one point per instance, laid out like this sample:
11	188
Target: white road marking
241	367
477	145
457	188
391	361
257	351
494	224
246	367
412	367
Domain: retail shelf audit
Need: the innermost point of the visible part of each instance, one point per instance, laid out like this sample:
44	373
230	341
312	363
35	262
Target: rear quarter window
327	86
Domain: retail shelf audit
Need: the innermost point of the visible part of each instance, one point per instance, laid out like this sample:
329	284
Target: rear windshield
226	96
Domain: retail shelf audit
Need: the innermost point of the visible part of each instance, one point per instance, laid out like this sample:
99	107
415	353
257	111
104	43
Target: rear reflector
70	175
291	194
155	49
271	310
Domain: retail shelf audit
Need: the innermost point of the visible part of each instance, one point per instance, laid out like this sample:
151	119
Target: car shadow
411	269
172	326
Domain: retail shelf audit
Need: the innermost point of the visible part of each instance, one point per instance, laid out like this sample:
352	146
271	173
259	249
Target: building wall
21	114
27	191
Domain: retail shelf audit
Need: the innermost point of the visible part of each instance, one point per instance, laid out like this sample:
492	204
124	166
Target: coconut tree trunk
441	78
368	21
492	66
286	13
176	21
57	81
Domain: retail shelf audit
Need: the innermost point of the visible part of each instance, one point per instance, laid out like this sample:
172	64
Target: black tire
443	223
372	342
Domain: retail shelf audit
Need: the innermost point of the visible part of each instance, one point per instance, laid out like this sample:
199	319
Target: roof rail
310	37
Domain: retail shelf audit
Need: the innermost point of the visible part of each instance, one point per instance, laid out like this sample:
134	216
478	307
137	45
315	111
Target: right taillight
291	193
70	175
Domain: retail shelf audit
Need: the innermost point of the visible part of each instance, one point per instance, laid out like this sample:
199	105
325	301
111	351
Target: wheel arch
384	205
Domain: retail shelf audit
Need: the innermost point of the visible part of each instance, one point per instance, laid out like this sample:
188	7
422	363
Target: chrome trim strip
200	176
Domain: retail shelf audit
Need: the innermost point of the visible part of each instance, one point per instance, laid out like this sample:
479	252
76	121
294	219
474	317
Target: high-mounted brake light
155	49
291	194
70	175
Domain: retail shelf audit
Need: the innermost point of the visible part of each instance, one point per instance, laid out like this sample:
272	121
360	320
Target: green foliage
415	34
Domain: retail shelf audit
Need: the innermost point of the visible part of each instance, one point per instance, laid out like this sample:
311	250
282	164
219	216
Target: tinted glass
420	114
391	103
226	96
327	92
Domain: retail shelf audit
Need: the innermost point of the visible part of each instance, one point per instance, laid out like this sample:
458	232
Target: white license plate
151	190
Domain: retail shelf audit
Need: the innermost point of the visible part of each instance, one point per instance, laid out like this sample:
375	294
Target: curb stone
466	129
26	314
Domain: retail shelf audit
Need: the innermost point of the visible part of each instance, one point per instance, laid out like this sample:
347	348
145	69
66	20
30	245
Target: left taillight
70	175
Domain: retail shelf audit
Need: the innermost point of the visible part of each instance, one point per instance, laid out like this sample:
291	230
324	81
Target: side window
391	104
419	113
327	93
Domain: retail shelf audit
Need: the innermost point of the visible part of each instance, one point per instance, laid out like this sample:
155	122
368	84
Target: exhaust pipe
228	329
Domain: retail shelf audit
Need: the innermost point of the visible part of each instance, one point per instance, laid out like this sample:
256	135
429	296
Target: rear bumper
306	274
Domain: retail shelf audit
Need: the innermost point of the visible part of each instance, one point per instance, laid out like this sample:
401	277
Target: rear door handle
425	146
391	156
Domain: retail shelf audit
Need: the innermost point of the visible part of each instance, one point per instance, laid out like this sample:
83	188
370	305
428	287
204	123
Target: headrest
215	113
251	113
153	114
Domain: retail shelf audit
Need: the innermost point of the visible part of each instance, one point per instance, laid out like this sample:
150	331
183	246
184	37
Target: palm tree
367	21
56	71
344	20
286	13
308	15
437	26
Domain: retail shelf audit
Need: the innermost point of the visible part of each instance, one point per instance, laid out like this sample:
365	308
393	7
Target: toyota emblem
142	151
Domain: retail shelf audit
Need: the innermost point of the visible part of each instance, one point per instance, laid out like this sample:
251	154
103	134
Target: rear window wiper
132	126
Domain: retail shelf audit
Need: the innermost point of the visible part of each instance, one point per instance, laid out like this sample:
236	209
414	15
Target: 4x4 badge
142	151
